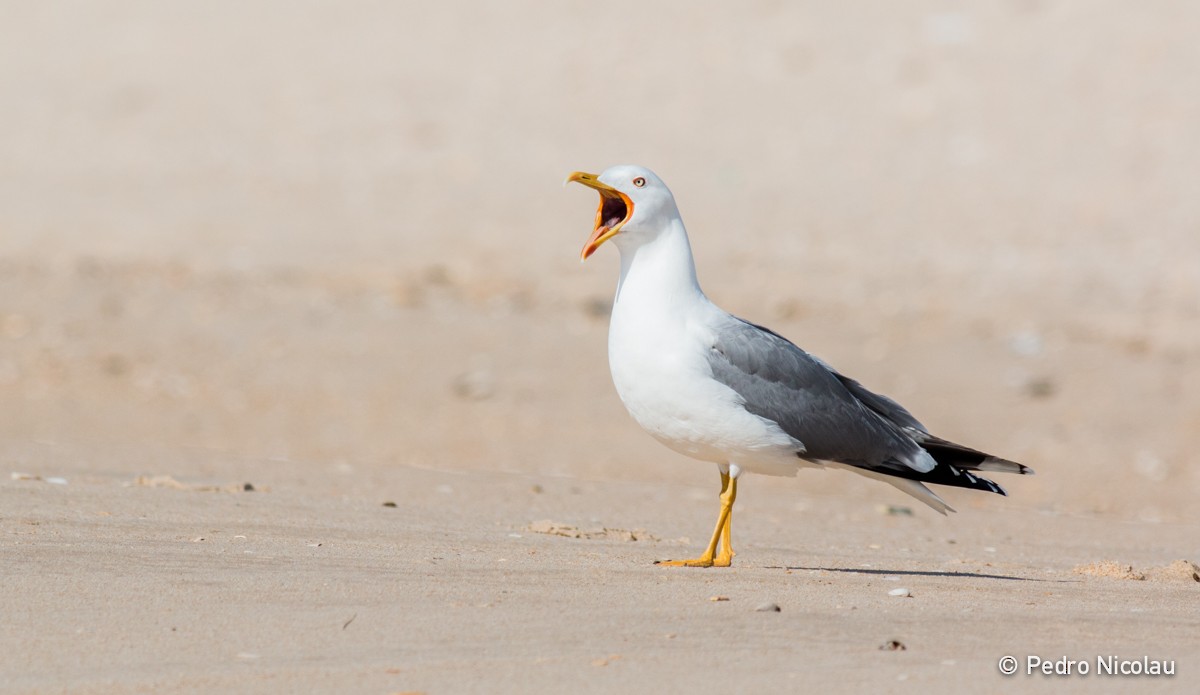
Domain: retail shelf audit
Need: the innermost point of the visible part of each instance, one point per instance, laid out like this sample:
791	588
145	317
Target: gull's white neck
659	276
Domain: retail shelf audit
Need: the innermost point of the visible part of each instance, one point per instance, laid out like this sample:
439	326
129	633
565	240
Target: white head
634	203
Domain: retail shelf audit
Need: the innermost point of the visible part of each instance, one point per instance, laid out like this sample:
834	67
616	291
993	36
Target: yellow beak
615	210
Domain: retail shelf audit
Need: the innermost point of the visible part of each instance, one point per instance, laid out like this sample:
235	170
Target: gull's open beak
615	210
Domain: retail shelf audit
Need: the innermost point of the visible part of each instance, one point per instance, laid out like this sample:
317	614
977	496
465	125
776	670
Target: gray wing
882	405
834	417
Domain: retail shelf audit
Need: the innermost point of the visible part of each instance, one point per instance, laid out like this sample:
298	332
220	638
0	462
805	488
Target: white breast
660	369
661	332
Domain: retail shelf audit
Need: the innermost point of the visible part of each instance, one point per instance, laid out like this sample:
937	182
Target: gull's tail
955	466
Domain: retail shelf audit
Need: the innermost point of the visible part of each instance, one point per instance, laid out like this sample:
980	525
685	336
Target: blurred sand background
323	249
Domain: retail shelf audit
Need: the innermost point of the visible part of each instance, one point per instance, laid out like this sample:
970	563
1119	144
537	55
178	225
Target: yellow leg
725	557
721	534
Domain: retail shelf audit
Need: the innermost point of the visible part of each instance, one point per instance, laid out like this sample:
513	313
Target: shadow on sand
918	573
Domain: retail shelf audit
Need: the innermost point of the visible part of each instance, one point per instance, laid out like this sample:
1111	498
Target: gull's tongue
612	222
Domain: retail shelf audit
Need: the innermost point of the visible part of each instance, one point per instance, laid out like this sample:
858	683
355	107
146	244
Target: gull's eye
639	182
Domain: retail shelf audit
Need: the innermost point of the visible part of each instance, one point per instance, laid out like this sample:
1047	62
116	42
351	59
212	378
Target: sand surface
303	389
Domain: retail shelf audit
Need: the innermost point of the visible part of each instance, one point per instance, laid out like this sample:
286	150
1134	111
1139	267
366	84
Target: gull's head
634	203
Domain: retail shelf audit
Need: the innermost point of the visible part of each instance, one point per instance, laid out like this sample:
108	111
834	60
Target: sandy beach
304	389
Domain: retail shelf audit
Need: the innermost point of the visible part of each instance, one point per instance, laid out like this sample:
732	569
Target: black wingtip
949	475
969	480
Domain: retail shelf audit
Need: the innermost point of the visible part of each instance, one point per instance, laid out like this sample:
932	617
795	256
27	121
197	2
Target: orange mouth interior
615	210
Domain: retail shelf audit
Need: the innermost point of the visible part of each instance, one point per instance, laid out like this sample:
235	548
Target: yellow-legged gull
714	387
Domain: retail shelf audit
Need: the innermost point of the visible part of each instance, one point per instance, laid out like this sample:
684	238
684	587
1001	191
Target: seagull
720	389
